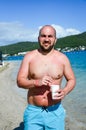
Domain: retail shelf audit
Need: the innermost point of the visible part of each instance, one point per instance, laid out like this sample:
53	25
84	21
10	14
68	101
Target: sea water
75	102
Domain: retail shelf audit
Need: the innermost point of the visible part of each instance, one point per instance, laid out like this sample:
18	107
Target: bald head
47	28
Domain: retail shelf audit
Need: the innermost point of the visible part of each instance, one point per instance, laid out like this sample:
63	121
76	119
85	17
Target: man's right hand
46	80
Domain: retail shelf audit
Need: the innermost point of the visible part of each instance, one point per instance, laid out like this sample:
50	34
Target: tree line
69	41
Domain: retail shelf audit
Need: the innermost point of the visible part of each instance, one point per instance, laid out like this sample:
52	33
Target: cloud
16	32
62	32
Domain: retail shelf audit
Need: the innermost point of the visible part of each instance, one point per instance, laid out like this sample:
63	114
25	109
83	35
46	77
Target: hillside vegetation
69	41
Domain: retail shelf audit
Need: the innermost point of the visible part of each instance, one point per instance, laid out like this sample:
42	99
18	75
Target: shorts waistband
49	108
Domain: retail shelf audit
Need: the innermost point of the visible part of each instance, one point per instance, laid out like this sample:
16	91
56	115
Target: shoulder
61	56
29	55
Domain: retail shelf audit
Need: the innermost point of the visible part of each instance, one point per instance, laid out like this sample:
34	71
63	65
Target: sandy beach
13	103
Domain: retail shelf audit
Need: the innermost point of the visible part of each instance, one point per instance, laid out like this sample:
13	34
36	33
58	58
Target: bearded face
46	46
47	38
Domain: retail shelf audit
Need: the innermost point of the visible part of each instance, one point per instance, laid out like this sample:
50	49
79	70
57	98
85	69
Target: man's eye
43	35
50	36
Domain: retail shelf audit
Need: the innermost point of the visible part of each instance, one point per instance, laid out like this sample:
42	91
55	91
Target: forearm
69	86
28	83
25	83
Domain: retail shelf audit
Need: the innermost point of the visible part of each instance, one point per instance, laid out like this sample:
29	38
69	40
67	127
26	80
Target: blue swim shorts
44	118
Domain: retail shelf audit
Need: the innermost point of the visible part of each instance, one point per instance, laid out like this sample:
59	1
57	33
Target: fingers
46	80
60	94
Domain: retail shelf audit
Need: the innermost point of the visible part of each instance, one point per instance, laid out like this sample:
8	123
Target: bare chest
39	68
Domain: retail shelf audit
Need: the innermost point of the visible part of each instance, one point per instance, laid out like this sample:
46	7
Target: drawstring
44	108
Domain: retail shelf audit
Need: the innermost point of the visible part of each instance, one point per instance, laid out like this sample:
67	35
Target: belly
41	98
39	101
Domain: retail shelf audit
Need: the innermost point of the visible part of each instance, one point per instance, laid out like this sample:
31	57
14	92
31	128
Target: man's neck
45	52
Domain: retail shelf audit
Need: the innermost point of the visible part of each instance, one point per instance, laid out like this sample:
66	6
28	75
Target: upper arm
68	71
24	67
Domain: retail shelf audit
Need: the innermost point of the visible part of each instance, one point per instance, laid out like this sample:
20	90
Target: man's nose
47	38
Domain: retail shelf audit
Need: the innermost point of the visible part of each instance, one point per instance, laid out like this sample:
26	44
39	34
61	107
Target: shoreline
4	66
13	103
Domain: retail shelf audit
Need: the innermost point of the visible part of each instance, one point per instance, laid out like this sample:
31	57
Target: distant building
22	53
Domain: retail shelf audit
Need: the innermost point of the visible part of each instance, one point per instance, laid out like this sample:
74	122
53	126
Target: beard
46	50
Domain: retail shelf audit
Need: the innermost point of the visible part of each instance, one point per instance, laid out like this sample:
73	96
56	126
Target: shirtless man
40	69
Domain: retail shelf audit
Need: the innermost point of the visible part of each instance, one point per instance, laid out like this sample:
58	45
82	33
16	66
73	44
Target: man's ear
38	38
55	41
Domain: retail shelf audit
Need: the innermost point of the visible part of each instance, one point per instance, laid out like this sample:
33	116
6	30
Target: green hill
72	41
69	41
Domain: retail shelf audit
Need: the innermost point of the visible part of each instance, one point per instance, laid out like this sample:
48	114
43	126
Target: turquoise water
75	102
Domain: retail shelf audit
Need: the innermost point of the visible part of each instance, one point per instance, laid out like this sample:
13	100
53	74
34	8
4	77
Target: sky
20	20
